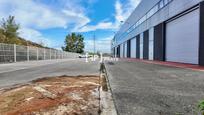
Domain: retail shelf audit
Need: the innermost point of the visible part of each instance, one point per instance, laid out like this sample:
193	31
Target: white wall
133	48
151	43
125	50
141	45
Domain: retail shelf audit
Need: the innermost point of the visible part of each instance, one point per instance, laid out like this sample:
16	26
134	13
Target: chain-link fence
15	53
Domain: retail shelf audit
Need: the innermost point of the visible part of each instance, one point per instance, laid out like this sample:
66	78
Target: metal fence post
14	51
55	54
37	53
44	53
28	55
50	55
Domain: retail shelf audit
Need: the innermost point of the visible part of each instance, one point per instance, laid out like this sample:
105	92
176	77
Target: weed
201	106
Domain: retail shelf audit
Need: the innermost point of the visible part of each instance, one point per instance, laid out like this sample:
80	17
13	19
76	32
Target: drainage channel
107	106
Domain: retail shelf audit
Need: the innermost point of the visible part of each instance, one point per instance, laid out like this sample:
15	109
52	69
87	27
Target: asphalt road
17	73
146	89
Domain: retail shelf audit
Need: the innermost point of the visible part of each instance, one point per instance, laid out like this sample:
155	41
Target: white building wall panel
141	45
125	50
151	44
133	48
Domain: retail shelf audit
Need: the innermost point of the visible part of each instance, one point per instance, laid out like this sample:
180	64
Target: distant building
164	30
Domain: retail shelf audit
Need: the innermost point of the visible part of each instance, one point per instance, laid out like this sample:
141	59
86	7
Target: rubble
45	93
54	95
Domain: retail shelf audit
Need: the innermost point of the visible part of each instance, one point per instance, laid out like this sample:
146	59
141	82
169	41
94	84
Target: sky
49	21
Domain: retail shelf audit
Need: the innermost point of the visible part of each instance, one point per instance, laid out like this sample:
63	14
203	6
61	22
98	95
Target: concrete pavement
23	72
148	89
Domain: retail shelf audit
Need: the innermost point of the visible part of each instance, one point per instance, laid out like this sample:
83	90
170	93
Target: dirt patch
56	95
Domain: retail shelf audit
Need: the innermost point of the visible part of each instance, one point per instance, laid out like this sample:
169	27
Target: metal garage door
141	45
125	50
182	39
133	48
121	50
151	44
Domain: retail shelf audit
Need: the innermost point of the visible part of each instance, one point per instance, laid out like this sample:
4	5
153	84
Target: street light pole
94	41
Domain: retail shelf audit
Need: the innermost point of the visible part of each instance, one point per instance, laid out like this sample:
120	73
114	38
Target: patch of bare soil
65	95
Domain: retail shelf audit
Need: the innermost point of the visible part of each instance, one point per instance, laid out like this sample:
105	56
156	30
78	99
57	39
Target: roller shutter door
182	39
133	48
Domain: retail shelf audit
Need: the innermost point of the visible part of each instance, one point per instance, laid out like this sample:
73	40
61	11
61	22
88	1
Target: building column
201	41
128	49
118	51
138	46
146	45
159	42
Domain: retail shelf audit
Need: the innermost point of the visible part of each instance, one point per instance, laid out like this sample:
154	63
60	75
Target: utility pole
94	40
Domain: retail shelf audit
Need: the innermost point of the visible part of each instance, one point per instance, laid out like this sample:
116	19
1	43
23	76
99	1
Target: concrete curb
110	107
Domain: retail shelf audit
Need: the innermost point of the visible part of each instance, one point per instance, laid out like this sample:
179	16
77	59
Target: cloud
35	15
122	12
30	14
99	26
34	36
79	19
103	45
60	14
40	16
119	16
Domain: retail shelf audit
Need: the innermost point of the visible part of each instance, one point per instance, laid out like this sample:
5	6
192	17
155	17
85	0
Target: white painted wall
151	43
133	48
141	45
125	50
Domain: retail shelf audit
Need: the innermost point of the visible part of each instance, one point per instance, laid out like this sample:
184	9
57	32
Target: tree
74	43
10	27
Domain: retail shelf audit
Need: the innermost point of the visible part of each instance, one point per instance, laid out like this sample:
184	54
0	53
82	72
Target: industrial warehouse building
163	30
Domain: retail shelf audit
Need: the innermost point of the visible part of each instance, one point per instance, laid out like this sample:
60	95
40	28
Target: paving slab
149	89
